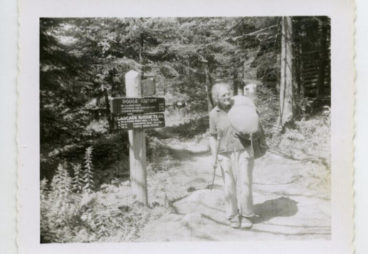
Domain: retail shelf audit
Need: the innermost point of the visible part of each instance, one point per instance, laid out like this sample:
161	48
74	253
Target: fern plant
77	181
43	190
61	183
55	205
88	171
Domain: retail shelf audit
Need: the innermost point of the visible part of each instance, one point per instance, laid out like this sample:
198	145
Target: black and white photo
231	143
147	127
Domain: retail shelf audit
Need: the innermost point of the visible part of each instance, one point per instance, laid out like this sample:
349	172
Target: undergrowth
308	142
72	210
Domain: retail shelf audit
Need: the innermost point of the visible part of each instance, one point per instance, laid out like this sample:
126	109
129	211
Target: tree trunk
208	87
322	61
235	81
297	72
141	45
110	119
286	78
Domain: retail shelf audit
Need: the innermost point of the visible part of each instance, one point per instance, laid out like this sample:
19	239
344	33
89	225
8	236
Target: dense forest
83	62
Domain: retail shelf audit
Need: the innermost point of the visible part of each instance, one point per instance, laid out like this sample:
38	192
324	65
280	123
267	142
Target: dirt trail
287	208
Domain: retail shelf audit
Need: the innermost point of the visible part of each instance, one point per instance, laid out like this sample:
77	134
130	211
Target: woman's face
224	97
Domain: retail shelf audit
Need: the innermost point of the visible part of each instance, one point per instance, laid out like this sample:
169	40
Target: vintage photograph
184	129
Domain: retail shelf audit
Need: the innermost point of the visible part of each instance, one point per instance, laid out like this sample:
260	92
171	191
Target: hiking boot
251	215
245	223
234	222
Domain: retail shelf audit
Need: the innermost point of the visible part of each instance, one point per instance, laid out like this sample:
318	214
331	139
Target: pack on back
243	115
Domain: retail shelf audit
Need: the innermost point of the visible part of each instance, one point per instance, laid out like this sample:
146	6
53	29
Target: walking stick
216	159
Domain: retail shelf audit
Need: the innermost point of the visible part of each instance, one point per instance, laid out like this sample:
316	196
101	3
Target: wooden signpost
134	113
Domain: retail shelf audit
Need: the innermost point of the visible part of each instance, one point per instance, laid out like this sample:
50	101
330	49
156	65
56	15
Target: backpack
244	119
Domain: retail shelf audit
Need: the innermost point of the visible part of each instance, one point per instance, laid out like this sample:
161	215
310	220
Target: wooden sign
148	87
131	106
141	121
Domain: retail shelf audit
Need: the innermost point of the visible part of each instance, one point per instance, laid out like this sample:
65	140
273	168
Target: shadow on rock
280	207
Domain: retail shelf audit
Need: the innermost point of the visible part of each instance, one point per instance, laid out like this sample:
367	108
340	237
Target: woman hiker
235	155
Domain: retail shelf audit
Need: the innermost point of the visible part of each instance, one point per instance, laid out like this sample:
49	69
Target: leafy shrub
268	68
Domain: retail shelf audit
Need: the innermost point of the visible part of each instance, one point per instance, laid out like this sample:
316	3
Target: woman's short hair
215	90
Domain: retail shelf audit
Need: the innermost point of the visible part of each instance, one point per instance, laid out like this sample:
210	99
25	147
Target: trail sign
131	106
142	121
